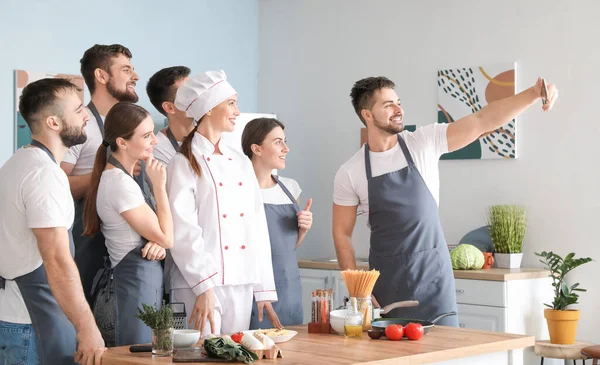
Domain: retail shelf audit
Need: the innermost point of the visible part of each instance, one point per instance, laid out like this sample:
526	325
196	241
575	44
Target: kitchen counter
493	274
444	345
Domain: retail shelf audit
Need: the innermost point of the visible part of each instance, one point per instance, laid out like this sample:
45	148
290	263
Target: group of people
99	214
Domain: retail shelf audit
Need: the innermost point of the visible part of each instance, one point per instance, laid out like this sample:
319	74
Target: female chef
263	141
136	224
223	256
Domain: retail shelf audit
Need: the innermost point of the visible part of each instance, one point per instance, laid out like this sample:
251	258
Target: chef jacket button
243	247
208	159
241	214
240	183
227	247
224	215
220	184
230	159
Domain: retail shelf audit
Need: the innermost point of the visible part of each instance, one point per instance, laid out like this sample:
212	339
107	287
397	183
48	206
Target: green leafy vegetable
466	257
228	349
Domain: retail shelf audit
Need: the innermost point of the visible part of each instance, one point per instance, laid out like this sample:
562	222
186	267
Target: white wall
51	36
312	51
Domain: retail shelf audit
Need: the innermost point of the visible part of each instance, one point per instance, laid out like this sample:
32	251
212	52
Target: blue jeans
18	344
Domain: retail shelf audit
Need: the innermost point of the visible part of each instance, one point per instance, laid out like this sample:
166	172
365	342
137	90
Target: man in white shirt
43	312
111	78
161	89
394	180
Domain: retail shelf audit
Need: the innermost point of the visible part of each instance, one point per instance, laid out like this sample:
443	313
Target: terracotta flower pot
562	325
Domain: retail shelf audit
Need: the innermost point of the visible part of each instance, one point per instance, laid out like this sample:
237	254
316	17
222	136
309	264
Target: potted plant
507	226
161	322
562	322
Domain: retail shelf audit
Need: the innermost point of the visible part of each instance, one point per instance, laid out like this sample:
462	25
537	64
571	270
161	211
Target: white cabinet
512	306
481	318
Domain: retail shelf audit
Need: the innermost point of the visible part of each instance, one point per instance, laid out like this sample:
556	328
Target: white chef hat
199	94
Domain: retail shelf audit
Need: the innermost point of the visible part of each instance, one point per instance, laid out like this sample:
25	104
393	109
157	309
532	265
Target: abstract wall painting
464	91
22	79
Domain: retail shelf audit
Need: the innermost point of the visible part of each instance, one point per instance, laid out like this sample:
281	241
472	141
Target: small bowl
340	313
375	334
185	338
337	324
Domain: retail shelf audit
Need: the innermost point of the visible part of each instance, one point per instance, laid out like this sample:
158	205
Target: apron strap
145	190
99	120
407	155
405	151
286	191
368	162
2	283
172	139
43	148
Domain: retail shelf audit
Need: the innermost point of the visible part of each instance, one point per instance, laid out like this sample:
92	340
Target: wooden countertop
493	274
441	343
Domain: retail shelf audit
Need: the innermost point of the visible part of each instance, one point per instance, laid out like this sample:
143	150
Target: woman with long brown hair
264	142
135	222
223	257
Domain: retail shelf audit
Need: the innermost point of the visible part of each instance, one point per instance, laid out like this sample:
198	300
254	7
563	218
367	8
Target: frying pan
380	324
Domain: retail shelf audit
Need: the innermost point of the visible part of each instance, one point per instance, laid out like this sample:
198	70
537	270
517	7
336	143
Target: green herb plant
564	295
160	321
507	226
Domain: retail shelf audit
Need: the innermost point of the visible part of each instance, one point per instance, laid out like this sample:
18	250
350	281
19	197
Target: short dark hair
41	98
363	90
160	87
100	56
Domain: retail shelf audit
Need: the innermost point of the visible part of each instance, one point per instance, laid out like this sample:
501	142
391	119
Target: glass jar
162	342
365	308
353	323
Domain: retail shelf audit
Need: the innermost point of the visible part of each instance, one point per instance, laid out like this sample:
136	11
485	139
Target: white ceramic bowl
337	324
337	318
185	338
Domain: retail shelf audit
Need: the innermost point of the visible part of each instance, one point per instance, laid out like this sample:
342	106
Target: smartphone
544	93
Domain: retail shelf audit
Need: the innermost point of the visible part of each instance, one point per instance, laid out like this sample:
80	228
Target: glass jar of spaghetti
365	308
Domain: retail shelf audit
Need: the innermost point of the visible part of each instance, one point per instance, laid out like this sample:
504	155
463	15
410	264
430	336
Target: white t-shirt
118	193
276	195
34	194
83	155
425	145
163	150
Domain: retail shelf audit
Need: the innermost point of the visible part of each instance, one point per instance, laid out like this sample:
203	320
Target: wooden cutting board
194	355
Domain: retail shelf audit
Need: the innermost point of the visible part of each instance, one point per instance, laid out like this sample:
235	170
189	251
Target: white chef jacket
220	228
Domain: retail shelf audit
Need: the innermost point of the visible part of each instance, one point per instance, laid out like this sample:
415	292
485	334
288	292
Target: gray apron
91	251
172	139
55	335
283	234
408	245
118	291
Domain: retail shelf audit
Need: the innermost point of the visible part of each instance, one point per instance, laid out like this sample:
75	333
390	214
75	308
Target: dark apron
90	252
283	234
172	139
118	291
55	335
408	245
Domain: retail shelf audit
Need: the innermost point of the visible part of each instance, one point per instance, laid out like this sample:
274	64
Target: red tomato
394	332
237	337
414	331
